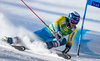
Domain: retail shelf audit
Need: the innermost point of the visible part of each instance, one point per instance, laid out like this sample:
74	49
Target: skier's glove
58	35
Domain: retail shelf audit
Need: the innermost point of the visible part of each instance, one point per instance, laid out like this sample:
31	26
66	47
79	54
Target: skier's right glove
58	35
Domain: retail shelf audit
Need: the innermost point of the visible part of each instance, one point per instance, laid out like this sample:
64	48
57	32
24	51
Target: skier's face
72	25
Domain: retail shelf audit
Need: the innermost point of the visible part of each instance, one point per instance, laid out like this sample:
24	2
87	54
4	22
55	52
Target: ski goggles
74	22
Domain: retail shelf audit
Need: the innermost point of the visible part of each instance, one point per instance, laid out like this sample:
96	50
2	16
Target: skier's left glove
58	35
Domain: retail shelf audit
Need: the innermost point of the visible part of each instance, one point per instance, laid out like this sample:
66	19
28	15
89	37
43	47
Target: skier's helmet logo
74	17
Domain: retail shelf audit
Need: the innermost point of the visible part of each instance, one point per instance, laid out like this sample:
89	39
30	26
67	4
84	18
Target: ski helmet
74	17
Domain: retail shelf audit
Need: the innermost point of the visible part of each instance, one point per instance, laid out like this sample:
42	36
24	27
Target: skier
63	26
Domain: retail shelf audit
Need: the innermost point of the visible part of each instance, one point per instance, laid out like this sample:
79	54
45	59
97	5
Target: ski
20	48
66	56
59	53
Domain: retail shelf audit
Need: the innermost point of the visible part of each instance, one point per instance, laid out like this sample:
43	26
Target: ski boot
65	52
14	42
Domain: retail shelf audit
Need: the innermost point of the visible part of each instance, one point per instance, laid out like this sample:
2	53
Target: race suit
63	26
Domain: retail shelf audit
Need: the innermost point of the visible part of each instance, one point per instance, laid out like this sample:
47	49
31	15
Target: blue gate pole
80	38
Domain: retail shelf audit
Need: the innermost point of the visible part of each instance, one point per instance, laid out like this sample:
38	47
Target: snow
17	20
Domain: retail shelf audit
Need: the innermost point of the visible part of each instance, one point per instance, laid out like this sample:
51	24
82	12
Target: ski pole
38	16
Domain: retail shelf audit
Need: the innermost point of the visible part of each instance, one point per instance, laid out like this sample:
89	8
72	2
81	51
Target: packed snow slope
17	20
